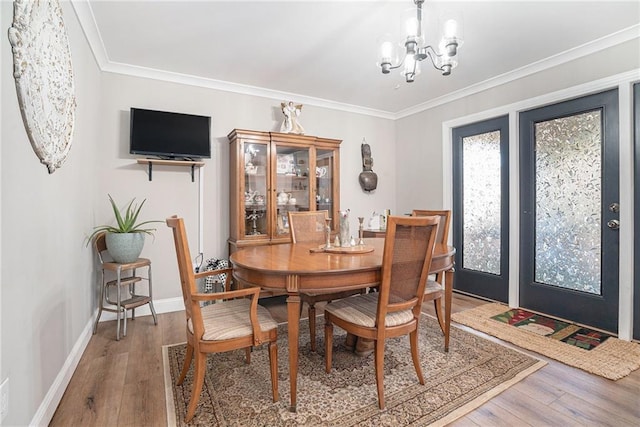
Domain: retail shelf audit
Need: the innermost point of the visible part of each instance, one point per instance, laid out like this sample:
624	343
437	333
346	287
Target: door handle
613	224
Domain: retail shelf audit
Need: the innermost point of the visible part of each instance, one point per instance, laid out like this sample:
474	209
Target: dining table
298	267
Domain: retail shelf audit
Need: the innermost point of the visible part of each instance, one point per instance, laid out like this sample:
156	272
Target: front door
569	188
481	208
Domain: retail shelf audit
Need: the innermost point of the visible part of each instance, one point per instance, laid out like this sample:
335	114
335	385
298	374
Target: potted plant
125	240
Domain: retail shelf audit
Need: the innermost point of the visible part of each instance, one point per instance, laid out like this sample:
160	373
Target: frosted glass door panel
481	178
568	200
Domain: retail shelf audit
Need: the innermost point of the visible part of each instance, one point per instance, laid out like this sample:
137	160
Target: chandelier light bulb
411	68
450	29
412	27
386	50
409	64
447	63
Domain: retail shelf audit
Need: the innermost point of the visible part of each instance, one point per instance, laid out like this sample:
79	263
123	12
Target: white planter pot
124	247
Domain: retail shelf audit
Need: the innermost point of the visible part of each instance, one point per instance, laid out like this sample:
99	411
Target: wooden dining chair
395	309
235	321
310	227
434	290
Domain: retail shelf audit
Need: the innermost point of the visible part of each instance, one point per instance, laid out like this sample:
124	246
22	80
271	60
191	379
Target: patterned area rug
589	350
472	372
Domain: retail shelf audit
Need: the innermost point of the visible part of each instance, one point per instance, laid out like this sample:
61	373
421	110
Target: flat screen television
170	135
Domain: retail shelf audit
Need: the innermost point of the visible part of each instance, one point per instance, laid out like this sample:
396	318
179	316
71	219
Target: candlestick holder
253	217
360	231
328	230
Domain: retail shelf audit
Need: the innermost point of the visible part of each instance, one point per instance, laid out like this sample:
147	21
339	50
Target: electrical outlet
4	399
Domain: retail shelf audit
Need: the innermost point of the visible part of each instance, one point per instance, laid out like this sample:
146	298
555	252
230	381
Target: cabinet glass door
291	185
255	185
324	180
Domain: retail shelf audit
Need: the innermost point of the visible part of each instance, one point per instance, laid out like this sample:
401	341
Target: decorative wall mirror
44	78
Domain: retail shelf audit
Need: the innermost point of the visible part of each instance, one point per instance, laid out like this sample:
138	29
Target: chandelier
416	51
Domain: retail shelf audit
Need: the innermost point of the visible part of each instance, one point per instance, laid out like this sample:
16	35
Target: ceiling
325	52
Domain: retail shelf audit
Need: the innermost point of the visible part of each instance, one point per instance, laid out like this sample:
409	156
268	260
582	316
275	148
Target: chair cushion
230	319
361	310
432	287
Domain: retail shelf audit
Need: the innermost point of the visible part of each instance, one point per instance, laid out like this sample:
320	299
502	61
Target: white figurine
291	113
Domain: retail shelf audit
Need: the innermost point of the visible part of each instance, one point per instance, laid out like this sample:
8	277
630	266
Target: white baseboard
51	400
49	404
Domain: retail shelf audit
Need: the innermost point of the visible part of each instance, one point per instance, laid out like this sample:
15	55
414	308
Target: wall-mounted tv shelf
151	162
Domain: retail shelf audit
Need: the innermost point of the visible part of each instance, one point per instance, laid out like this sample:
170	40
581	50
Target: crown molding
87	20
88	23
89	26
586	49
191	80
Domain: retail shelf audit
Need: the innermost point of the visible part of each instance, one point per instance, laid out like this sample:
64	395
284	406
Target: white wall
172	192
47	279
421	133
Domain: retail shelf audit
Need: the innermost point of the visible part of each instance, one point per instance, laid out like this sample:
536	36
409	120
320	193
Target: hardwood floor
121	383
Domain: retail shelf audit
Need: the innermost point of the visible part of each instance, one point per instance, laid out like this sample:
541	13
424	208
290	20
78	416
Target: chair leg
328	343
439	314
100	305
413	339
118	308
198	381
247	355
379	360
273	366
153	313
312	325
124	316
187	363
95	325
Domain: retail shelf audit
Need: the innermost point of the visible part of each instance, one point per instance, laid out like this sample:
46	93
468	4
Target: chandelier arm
395	67
433	55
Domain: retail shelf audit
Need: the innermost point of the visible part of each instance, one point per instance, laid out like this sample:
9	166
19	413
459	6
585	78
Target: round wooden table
294	268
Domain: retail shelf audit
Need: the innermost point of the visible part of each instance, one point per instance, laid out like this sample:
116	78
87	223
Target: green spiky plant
127	223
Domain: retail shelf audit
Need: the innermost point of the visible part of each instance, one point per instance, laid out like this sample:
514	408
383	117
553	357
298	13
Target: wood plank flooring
121	383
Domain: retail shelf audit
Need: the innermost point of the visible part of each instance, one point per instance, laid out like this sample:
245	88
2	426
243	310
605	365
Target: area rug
472	372
600	354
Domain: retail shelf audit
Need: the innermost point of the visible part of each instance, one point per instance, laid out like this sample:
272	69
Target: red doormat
569	333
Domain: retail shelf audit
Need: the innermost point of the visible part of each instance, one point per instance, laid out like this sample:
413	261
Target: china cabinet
273	173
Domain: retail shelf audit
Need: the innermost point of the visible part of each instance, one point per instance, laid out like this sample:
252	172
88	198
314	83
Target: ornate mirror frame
44	78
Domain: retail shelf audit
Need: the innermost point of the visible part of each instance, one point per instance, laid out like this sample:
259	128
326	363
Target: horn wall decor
44	78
